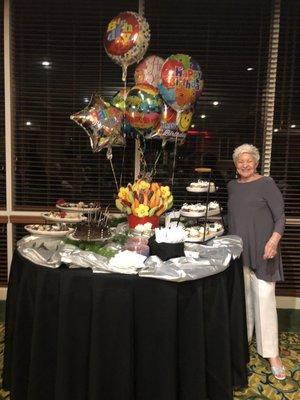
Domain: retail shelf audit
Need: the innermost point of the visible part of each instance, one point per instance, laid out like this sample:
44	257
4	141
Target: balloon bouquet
161	103
126	41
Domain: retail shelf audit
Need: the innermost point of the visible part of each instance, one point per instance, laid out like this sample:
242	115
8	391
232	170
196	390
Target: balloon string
124	73
174	162
141	149
153	172
124	134
122	166
109	157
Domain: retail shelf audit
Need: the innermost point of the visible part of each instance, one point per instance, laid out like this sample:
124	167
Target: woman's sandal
279	372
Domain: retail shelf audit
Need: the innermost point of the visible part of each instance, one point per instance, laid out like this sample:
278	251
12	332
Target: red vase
133	221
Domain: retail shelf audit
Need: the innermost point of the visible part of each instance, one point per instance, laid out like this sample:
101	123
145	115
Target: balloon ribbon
109	157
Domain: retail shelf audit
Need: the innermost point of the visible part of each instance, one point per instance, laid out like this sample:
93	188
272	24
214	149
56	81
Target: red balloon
126	39
181	81
168	73
122	34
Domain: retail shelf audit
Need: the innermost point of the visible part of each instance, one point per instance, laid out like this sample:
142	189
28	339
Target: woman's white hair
246	148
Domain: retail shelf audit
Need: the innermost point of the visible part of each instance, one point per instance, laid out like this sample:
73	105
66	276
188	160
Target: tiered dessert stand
203	215
62	222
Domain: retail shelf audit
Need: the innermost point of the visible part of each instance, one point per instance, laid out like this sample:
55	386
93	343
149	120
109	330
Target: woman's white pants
261	312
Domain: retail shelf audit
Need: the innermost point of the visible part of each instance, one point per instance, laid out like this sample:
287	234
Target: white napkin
127	261
170	235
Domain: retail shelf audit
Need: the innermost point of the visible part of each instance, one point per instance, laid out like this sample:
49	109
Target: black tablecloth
75	335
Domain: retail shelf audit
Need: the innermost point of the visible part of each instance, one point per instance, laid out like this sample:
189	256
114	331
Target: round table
75	335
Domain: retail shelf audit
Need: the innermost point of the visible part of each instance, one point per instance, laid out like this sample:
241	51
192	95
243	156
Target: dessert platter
196	233
77	207
193	210
199	210
90	232
48	230
201	186
94	228
63	216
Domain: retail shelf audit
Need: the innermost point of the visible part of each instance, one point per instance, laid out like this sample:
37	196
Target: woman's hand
271	246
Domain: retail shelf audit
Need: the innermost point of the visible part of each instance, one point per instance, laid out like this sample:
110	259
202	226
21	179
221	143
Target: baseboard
288	302
3	292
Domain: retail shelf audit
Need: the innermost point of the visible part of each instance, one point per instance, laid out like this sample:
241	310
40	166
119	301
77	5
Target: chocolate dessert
91	231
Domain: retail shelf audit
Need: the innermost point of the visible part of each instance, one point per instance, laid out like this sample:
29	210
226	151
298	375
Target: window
291	261
2	113
58	62
285	166
3	254
229	39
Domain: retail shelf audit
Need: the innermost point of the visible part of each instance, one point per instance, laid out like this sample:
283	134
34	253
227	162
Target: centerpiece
144	202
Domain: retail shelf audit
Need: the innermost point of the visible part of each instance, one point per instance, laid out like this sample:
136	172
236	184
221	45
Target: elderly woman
256	214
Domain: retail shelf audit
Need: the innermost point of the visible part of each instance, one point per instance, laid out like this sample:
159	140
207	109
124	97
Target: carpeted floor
262	384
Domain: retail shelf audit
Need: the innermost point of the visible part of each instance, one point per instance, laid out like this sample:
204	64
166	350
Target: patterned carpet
262	384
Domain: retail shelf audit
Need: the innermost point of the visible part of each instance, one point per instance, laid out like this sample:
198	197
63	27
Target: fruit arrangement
144	199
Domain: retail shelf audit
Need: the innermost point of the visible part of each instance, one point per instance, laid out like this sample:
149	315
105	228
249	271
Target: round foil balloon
149	71
172	127
119	101
143	107
102	122
181	81
126	39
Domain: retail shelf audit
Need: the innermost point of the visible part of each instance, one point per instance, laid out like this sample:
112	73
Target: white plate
199	190
198	239
76	209
49	217
54	233
197	214
71	236
192	214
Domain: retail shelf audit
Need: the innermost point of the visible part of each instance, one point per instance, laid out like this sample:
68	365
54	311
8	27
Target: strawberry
61	202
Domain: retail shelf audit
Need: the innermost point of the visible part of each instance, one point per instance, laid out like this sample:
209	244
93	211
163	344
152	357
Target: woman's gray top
255	211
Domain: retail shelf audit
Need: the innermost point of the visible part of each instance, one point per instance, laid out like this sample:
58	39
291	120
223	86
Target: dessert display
91	231
48	230
94	228
63	216
196	233
201	186
79	207
193	210
199	210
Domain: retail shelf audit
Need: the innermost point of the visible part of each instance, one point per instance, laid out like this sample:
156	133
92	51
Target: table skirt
75	335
